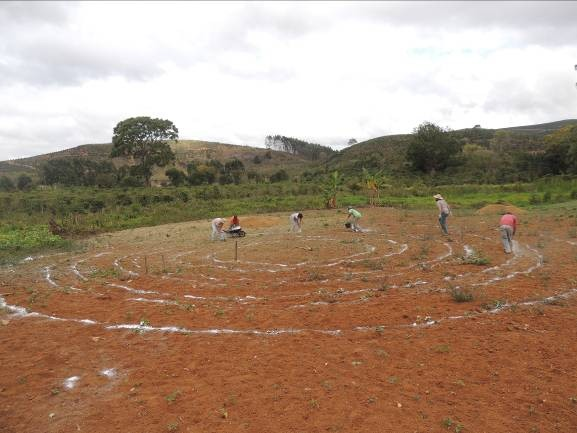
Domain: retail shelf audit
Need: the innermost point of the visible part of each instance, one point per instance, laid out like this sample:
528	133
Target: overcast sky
235	72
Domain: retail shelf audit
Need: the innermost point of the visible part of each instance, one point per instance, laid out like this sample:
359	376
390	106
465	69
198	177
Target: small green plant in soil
461	295
442	348
171	398
475	259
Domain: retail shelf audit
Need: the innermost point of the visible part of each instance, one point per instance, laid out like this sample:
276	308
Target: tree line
294	146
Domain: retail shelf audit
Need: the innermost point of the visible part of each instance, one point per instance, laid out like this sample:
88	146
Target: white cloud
235	72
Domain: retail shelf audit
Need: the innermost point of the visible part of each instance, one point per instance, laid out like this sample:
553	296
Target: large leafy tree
145	140
432	148
561	151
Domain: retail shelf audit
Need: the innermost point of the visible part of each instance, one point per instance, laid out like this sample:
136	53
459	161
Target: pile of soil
497	209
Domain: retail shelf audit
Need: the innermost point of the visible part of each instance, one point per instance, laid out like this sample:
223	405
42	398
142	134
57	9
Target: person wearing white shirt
217	229
444	212
296	220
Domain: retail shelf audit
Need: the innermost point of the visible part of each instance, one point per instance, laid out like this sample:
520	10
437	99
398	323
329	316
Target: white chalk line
22	312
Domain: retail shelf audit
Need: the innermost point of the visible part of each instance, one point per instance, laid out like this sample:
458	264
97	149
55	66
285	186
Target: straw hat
438	197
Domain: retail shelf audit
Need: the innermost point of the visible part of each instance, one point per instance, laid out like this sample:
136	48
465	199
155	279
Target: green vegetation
145	140
82	191
81	211
17	241
461	295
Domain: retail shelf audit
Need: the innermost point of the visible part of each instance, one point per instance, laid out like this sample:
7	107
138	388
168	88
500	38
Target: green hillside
388	153
185	150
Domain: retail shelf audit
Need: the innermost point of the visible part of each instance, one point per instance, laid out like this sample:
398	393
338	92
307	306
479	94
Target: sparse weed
448	423
314	276
442	348
461	295
475	259
173	426
171	398
494	305
314	404
105	273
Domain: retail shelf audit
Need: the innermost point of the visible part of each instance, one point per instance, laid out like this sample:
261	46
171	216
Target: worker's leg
506	233
443	223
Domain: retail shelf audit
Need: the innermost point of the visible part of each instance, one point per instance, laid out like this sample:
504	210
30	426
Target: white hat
438	197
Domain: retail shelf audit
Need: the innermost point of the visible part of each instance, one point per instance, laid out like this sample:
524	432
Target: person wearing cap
444	212
296	220
508	227
217	232
354	217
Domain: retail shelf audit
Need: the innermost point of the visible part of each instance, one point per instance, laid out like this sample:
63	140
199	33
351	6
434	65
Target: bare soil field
159	329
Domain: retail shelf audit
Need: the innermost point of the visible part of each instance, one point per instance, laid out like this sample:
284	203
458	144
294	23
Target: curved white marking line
48	277
369	250
441	257
117	264
76	272
176	329
71	382
537	265
108	372
238	299
153	301
22	312
140	292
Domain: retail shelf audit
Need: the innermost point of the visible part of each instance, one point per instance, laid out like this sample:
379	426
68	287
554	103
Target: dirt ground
159	329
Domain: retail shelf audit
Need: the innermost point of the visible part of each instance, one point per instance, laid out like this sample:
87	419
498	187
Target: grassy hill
185	150
388	152
542	128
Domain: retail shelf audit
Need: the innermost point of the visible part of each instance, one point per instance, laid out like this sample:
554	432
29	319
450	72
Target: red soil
326	331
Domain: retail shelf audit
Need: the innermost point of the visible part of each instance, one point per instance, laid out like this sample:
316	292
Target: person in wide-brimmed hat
444	212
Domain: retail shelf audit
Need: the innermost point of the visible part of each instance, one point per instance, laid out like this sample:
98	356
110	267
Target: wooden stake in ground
236	251
146	264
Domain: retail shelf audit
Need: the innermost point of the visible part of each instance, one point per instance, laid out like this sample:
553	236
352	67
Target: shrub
461	295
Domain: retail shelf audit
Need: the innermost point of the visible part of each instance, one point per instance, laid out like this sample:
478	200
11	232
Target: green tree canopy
145	140
176	176
24	182
6	184
432	148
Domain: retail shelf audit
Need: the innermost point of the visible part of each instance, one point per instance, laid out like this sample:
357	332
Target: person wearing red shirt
508	228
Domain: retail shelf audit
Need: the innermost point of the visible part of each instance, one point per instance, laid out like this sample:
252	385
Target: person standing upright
444	212
508	228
